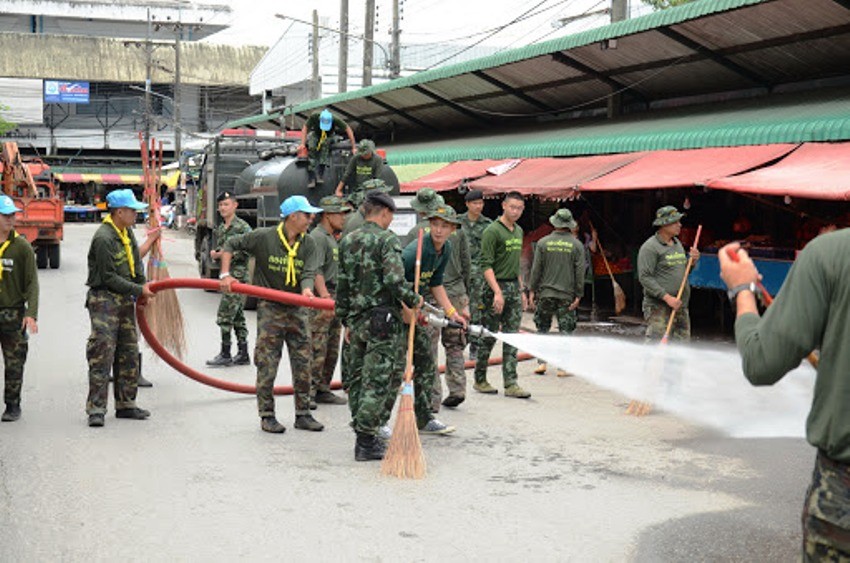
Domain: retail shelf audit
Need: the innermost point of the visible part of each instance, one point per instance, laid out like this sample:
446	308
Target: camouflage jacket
474	231
239	262
370	275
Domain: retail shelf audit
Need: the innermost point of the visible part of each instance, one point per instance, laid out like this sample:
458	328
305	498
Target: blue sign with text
57	92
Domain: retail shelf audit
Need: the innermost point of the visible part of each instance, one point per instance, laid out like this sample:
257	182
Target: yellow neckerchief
3	248
125	240
322	139
291	252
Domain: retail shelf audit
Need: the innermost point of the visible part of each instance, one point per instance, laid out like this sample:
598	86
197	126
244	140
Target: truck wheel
53	255
41	257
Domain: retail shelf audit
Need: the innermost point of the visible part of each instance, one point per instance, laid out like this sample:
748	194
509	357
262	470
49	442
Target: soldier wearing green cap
661	268
326	329
363	166
436	250
424	203
557	279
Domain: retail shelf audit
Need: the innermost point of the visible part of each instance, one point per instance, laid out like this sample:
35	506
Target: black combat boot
368	448
241	358
12	413
223	358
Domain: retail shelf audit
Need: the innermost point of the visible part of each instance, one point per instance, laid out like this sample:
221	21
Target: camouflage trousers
454	342
373	374
658	315
278	323
318	157
13	340
231	314
476	306
325	330
113	347
548	307
506	321
826	536
424	373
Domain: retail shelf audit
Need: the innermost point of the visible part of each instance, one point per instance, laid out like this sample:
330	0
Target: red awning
813	171
687	168
553	178
450	176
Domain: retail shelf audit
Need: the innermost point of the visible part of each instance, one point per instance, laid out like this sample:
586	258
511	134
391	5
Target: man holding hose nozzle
810	312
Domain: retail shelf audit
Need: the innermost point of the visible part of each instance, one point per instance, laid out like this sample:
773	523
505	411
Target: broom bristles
619	298
404	458
164	314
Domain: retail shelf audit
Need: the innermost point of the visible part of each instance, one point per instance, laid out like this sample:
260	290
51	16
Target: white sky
424	21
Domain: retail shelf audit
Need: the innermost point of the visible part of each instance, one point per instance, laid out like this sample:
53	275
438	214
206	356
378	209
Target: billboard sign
57	92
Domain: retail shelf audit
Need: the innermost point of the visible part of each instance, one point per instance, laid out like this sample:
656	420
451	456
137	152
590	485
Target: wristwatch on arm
223	275
733	292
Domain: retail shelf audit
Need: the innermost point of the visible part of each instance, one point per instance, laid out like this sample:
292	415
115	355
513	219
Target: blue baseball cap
124	198
7	206
297	203
326	120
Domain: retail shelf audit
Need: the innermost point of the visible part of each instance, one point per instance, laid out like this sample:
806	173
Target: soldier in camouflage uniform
285	260
436	251
325	327
116	281
557	279
231	316
473	224
456	280
370	290
503	295
18	305
661	268
424	203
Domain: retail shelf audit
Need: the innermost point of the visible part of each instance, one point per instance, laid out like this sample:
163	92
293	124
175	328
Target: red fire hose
260	293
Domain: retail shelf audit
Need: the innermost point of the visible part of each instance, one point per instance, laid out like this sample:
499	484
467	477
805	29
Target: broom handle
602	252
408	367
682	286
768	301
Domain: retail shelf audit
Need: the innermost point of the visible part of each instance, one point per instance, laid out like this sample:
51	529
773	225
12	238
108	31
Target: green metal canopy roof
791	118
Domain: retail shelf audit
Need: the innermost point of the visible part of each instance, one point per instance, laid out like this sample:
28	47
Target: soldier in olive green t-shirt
810	312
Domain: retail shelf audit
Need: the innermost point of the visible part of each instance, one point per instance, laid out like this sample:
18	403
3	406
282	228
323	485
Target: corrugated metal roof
792	118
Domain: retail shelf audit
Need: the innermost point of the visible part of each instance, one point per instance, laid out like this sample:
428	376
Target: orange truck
42	214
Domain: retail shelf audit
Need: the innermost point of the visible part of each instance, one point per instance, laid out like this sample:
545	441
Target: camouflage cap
334	204
563	219
667	215
365	145
356	197
445	213
426	200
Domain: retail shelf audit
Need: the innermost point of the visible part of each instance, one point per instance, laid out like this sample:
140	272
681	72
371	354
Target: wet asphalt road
564	476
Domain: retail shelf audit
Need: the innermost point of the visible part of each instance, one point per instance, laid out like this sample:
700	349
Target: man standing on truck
116	281
285	260
230	310
317	136
363	166
18	305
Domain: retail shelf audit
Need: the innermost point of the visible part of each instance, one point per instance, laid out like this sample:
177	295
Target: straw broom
164	314
404	458
619	294
639	408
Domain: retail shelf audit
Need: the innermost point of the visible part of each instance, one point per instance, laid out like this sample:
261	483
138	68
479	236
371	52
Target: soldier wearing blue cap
231	316
116	281
285	260
18	305
317	135
661	268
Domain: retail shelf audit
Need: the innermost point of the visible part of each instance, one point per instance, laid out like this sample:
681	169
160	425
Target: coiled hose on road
260	293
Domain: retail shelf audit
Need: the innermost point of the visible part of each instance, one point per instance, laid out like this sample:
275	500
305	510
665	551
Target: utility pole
148	67
619	12
342	79
178	129
395	63
368	35
316	89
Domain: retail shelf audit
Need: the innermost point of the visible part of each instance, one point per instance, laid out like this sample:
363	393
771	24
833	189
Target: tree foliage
664	4
5	125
